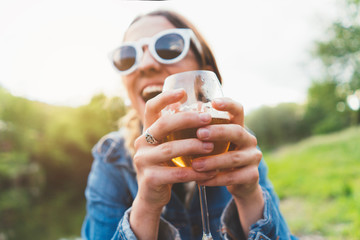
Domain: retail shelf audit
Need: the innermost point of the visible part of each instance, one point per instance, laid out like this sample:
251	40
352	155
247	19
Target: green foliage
52	217
321	114
326	109
45	151
318	183
69	137
340	55
274	126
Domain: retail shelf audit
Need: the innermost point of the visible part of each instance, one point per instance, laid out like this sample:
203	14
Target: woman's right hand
155	177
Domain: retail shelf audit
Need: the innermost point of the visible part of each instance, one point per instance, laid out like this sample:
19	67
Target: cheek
190	62
183	66
131	91
129	85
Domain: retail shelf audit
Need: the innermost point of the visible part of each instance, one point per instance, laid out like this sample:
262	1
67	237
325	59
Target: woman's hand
155	177
239	166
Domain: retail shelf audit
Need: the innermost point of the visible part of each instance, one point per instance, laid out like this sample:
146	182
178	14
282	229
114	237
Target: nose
148	63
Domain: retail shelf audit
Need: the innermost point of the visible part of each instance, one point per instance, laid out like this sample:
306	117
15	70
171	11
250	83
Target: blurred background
295	66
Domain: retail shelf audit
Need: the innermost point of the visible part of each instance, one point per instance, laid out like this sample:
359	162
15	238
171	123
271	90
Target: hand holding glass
201	88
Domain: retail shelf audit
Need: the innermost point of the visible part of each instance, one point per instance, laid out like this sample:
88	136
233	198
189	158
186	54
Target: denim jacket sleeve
110	191
271	226
166	230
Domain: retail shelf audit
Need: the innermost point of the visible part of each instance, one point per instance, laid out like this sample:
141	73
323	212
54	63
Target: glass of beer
201	88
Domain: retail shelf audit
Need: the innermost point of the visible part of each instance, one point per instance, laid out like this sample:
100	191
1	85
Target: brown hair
205	57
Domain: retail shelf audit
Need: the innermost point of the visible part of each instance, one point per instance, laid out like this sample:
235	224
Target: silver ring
150	138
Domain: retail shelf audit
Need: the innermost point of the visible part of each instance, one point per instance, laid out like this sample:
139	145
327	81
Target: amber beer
219	146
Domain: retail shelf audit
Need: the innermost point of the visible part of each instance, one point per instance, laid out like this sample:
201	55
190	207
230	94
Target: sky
57	51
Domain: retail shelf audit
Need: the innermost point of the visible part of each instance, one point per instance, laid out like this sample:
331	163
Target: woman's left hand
239	166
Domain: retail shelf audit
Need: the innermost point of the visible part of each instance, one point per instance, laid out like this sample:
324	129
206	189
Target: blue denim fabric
112	188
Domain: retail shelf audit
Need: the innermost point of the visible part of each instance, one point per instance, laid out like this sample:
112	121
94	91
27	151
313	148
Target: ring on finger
150	138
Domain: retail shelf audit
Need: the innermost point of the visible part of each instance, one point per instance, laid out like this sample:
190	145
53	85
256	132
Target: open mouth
150	92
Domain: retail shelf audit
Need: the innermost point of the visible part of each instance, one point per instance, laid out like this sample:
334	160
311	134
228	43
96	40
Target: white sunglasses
167	47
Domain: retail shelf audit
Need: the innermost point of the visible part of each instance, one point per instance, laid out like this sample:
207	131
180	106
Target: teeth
151	91
152	88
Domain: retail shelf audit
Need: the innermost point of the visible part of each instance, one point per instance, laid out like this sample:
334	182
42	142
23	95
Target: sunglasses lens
124	57
170	46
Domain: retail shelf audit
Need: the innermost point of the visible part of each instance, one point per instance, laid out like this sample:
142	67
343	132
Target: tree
277	125
331	99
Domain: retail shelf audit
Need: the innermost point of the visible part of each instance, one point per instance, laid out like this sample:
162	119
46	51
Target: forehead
146	27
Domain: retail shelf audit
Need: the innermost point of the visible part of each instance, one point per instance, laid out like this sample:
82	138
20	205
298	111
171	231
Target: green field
318	182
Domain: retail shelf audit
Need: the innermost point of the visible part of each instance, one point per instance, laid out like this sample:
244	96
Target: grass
58	217
318	182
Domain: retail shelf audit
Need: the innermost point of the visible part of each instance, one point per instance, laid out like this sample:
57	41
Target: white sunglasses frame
186	33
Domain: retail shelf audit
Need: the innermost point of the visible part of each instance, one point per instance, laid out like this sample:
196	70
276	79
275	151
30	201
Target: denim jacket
112	187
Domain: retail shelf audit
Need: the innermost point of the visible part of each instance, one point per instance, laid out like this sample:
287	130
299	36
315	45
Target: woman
133	194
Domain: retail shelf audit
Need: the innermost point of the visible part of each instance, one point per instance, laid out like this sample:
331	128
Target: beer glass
201	88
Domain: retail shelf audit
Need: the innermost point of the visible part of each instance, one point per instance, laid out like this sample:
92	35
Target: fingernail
219	102
205	117
178	92
198	164
203	133
208	145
